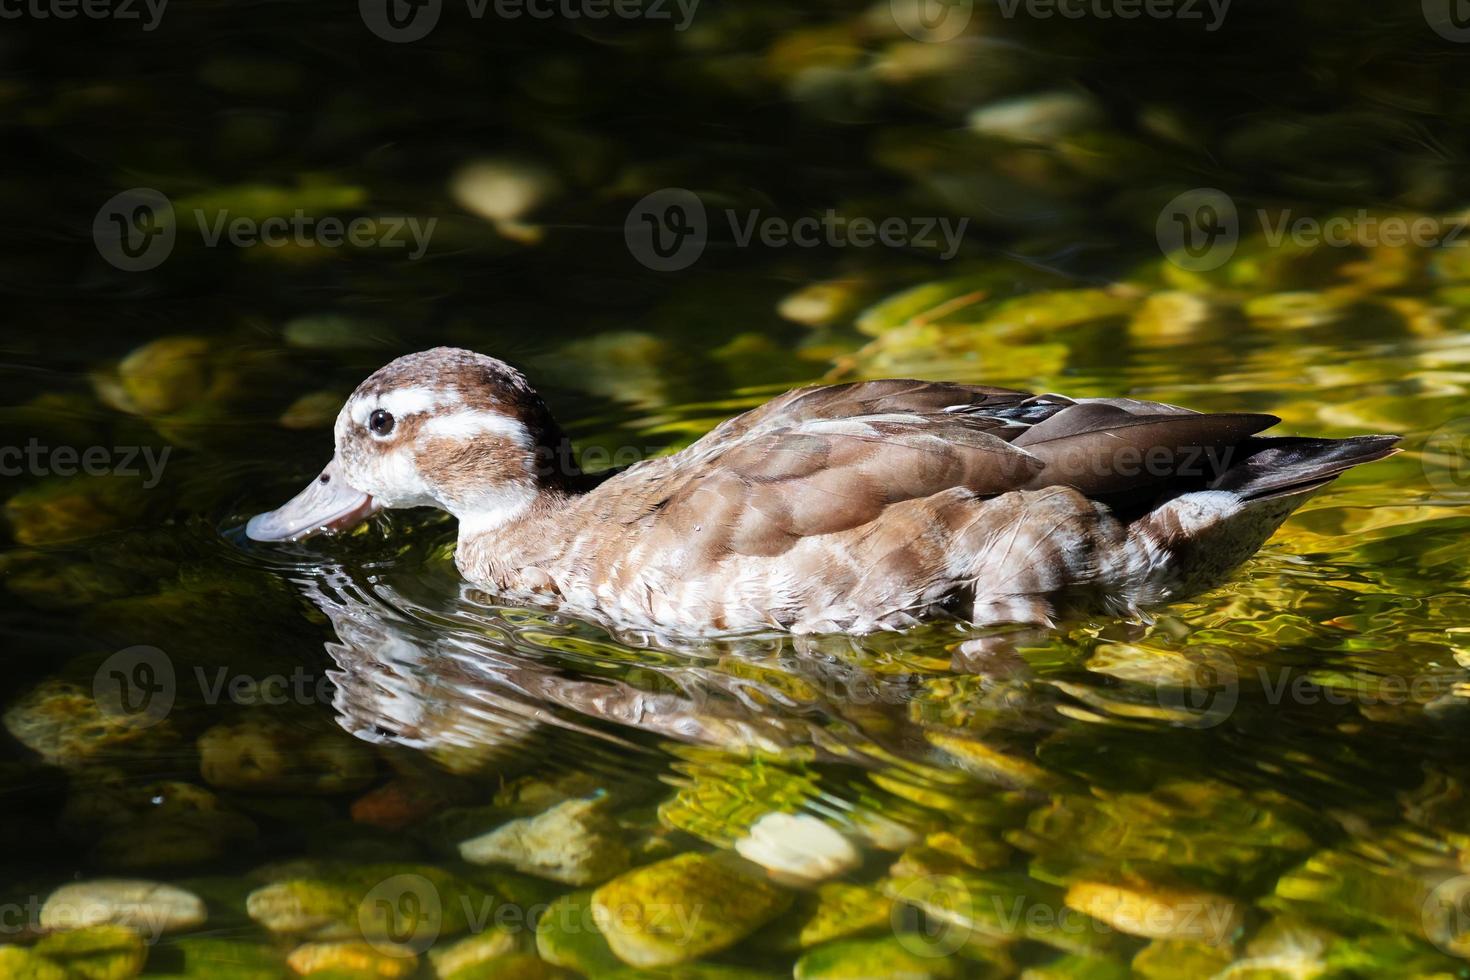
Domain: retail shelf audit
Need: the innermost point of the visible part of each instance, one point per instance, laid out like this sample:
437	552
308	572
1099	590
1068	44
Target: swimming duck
841	508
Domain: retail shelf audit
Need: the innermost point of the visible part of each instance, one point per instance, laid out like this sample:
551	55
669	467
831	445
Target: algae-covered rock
1203	826
1340	887
863	959
682	908
149	908
411	905
1179	959
821	304
975	847
516	966
18	963
567	935
721	801
211	958
798	848
105	952
992	764
353	959
164	376
1293	947
152	825
693	971
1075	967
1141	909
466	954
269	754
576	842
834	910
67	508
313	410
335	331
1001	907
68	726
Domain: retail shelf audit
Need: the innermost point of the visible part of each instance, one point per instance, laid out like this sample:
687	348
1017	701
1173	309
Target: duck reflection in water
477	680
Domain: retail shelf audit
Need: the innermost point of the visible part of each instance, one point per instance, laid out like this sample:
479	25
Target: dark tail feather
1264	467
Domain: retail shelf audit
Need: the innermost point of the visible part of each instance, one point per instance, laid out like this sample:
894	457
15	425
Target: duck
844	508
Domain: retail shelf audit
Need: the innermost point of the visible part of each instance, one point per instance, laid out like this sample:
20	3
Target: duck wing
759	494
828	459
892	396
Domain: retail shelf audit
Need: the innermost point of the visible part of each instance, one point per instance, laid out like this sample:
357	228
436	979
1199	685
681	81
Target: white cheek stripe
470	423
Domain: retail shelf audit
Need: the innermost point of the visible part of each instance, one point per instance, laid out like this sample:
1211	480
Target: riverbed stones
680	909
68	727
149	908
360	959
265	754
410	903
576	843
798	848
104	952
472	952
866	959
1156	912
567	935
18	963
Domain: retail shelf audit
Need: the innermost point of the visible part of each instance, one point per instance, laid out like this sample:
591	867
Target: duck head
445	428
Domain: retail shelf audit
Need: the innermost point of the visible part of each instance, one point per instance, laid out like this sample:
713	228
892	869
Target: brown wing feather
905	396
757	495
1102	449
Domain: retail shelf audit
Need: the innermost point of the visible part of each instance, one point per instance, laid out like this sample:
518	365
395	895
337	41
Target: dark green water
1265	781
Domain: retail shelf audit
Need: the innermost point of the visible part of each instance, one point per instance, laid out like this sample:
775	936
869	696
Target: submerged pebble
680	909
797	848
575	842
274	755
102	952
149	908
359	959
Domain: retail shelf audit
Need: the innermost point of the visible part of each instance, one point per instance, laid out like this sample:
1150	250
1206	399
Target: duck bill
328	504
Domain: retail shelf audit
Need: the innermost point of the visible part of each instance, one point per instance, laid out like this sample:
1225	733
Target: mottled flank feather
872	506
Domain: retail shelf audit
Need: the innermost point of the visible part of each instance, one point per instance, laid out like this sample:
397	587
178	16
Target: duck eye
380	422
